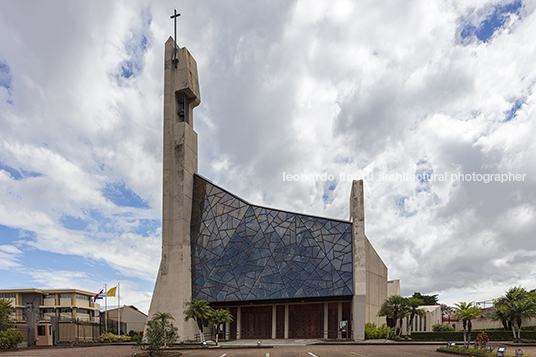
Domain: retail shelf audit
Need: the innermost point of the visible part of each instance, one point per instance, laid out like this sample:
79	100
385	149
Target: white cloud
9	257
295	87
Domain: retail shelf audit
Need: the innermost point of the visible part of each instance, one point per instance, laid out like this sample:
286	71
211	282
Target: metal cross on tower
174	17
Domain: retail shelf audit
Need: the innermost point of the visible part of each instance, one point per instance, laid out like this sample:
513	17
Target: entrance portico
294	320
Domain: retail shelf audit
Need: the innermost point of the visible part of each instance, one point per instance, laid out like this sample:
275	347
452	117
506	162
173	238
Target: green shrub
372	332
10	338
482	340
126	338
442	328
112	337
135	336
494	335
464	350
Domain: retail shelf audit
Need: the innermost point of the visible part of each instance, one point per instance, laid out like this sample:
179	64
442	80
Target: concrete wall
376	282
393	287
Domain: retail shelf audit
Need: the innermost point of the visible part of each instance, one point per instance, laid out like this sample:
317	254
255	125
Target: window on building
66	311
7	296
82	297
41	330
49	311
82	311
96	313
66	296
50	296
424	323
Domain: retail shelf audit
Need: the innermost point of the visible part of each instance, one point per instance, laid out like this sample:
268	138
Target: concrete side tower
370	273
181	95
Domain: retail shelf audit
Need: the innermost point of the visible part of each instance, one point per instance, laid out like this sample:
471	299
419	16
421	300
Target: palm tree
515	305
404	312
159	333
467	312
198	310
519	310
413	309
163	316
501	314
220	316
392	308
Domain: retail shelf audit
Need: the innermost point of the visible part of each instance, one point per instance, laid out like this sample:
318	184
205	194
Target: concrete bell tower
370	272
173	285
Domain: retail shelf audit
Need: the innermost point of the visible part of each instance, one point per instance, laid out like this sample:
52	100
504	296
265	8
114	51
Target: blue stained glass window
245	252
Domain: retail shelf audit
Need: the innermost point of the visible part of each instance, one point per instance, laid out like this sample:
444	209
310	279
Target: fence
77	331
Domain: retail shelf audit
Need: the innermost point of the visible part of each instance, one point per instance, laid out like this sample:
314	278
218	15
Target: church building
281	274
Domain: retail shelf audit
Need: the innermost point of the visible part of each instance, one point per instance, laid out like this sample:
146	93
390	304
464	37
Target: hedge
494	335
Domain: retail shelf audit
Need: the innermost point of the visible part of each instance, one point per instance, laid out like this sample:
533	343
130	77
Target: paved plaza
278	350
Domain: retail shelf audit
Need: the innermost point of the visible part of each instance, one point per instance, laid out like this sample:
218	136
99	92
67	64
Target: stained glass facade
244	252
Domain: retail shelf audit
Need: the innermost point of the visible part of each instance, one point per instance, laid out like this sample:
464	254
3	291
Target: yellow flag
111	292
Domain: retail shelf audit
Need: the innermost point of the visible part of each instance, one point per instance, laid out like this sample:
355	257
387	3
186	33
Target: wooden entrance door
280	321
306	321
333	320
256	322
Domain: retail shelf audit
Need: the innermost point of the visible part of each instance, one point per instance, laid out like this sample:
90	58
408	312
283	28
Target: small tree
160	333
10	338
467	312
426	299
198	310
392	308
513	307
6	314
412	305
501	314
220	316
404	312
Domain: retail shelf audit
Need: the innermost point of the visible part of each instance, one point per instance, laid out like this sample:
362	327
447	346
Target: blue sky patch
511	114
6	79
423	175
328	196
148	226
73	223
121	195
402	209
5	76
485	22
18	174
8	235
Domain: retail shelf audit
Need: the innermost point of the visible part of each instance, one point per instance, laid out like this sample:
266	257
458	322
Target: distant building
65	304
133	318
423	324
38	314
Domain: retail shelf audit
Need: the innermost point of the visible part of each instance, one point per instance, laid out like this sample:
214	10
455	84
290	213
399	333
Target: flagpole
119	306
106	307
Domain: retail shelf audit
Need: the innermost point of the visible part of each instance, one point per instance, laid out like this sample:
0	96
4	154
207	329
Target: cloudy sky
297	98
